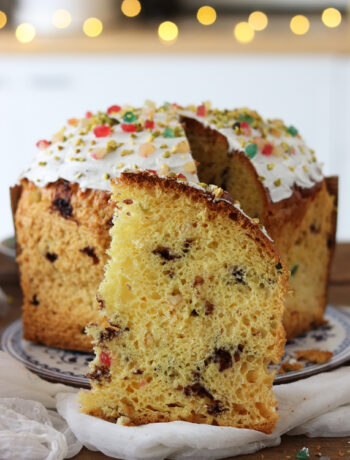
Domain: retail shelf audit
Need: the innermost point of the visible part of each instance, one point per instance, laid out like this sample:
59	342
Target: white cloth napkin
317	406
28	430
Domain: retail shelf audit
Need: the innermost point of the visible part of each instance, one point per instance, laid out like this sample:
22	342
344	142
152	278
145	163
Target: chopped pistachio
111	146
126	152
79	141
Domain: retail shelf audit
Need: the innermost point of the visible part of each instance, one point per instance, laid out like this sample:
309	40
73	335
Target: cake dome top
279	154
91	150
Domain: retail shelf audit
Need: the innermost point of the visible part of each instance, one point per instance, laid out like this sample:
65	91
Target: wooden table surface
339	294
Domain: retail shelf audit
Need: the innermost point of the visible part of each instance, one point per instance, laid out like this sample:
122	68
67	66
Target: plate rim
82	381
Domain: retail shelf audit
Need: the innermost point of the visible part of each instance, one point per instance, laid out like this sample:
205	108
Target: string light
61	19
258	20
206	15
243	32
131	8
25	32
92	27
299	24
3	19
331	17
168	32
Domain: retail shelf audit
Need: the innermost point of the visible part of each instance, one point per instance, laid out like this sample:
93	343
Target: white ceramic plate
8	247
70	367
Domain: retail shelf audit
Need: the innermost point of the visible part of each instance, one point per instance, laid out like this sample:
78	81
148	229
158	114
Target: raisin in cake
268	168
63	214
194	294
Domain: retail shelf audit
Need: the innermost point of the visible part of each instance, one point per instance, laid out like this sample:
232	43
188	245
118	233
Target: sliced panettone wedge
194	294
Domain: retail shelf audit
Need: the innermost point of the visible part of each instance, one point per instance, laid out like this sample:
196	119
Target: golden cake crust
290	222
62	236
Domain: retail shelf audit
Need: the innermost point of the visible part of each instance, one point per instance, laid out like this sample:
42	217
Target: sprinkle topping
246	131
102	131
86	149
113	109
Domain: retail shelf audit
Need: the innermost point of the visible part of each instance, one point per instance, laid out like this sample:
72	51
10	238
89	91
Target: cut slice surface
194	295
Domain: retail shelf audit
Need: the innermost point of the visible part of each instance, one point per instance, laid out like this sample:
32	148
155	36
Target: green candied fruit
292	131
129	117
244	117
294	270
251	150
303	453
168	132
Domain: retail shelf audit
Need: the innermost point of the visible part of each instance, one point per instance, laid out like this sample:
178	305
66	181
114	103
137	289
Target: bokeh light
243	32
206	15
25	32
92	27
258	20
61	19
131	8
168	31
299	24
3	19
331	17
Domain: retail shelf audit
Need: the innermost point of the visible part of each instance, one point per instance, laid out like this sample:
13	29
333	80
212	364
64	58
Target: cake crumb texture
194	296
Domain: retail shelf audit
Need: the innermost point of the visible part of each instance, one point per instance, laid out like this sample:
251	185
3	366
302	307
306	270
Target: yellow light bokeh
61	19
258	20
243	32
92	27
299	24
168	32
206	15
331	17
131	8
3	19
25	32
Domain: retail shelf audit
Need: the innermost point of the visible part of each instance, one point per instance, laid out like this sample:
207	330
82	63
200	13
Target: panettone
194	296
63	213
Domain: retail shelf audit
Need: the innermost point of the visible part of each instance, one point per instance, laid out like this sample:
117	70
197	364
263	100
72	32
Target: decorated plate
8	247
70	366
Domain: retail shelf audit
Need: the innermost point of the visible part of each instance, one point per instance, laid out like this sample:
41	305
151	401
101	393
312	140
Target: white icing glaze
278	173
70	154
72	159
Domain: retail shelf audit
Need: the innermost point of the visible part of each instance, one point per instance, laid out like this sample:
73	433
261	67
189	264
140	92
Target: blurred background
286	58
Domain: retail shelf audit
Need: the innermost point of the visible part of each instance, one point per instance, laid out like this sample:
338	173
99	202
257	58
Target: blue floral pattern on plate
70	367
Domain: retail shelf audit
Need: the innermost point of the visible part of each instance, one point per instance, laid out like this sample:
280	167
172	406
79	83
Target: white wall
38	93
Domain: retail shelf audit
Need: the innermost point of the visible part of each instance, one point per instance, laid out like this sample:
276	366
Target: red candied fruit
128	127
152	171
267	150
181	176
105	358
245	128
102	131
113	109
201	111
149	124
43	144
88	114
